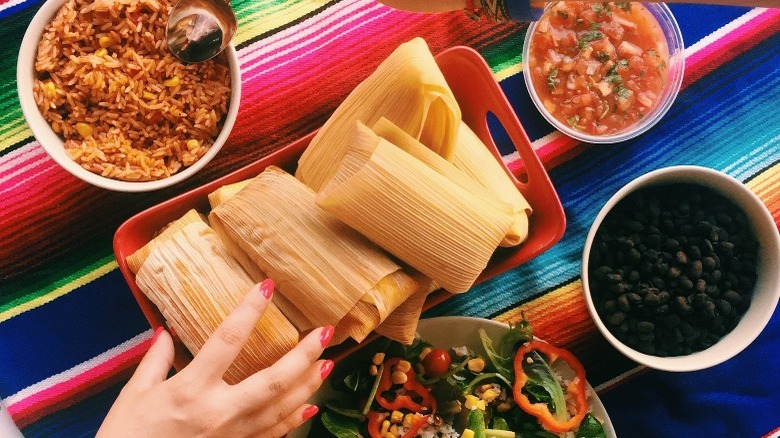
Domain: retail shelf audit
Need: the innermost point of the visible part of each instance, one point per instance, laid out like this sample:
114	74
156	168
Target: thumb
156	364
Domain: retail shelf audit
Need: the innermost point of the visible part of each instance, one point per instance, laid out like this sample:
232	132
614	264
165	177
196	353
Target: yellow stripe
58	292
766	184
269	19
544	305
508	72
15	135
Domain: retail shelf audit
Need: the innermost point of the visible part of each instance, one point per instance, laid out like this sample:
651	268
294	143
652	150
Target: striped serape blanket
71	332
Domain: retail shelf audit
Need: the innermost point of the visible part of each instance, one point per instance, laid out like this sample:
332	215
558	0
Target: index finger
222	347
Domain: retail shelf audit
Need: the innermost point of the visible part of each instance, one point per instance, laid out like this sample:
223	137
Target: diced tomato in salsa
598	67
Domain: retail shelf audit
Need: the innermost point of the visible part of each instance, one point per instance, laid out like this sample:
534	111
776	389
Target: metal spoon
199	30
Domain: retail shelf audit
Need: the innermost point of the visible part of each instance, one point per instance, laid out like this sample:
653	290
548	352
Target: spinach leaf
519	333
501	364
542	377
590	427
340	426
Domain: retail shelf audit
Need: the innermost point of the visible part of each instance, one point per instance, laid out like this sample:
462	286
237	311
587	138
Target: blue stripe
67	331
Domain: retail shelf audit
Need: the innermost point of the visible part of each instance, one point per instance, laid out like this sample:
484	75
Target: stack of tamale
394	197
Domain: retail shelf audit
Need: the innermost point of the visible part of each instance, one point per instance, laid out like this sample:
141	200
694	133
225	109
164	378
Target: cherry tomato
437	362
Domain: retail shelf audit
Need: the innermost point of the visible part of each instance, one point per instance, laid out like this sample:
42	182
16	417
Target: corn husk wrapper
376	307
474	159
195	283
435	226
321	267
136	259
407	88
220	196
401	325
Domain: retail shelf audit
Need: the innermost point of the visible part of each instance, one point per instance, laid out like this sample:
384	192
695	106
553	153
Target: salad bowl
448	332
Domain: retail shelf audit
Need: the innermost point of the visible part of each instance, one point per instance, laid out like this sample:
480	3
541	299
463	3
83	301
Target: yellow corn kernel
398	377
385	427
373	370
172	82
490	395
56	127
503	407
101	52
403	366
378	359
481	405
408	420
471	402
393	431
467	433
389	435
105	41
424	352
476	365
396	417
148	95
49	89
84	130
485	387
192	144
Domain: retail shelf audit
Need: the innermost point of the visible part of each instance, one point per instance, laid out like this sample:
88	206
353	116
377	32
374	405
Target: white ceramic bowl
676	68
54	145
767	287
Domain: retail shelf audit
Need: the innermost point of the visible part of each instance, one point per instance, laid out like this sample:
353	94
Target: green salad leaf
590	427
340	426
502	365
543	385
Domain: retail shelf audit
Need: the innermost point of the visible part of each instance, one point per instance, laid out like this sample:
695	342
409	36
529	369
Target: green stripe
506	53
86	258
12	30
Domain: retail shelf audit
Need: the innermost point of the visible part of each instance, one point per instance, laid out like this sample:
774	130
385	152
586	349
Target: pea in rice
125	106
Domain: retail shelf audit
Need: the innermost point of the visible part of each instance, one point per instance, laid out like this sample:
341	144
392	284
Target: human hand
197	402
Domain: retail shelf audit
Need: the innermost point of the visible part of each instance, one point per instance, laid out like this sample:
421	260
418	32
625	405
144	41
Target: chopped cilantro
626	6
622	63
601	56
662	65
573	120
652	52
623	92
552	80
594	26
590	36
613	76
601	9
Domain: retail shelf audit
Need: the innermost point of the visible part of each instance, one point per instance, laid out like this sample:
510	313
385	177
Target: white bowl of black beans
681	268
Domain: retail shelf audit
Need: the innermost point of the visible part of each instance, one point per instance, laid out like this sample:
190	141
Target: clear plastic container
676	67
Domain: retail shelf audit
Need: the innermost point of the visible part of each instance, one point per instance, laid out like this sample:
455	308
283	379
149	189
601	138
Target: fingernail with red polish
156	334
267	288
326	368
310	412
326	335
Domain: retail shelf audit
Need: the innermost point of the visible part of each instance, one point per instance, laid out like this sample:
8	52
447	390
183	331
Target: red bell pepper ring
576	388
412	387
375	420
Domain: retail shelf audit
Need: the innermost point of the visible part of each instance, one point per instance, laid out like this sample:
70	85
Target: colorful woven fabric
71	332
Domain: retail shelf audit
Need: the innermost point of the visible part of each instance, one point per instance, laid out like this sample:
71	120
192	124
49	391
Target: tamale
136	259
224	193
435	226
195	283
321	267
407	88
475	160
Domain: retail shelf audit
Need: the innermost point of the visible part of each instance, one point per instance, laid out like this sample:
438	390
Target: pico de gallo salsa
598	67
422	390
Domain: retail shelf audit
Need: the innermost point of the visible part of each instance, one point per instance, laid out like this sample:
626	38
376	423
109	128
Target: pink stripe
48	182
292	39
32	153
745	30
74	384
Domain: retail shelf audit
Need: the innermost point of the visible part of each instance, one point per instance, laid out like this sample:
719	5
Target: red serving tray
477	93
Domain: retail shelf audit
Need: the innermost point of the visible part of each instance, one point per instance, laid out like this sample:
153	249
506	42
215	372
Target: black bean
633	298
724	307
671	244
623	304
610	306
696	269
694	252
708	263
673	272
701	285
685	283
617	318
681	304
681	257
651	300
732	296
